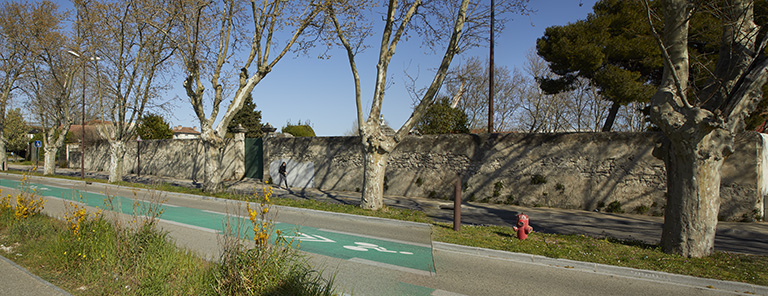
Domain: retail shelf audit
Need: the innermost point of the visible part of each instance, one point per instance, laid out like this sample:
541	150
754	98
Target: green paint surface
413	290
310	239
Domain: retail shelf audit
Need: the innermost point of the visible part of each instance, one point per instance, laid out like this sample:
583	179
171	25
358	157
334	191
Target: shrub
272	269
614	207
299	129
642	209
497	188
538	179
510	200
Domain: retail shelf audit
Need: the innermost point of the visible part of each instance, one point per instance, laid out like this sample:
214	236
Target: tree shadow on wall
529	154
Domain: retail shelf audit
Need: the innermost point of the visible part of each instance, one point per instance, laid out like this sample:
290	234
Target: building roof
185	130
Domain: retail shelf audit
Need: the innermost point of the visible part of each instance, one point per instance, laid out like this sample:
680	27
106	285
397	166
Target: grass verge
88	254
721	265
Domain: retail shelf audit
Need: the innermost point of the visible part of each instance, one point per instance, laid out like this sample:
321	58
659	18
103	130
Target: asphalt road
371	256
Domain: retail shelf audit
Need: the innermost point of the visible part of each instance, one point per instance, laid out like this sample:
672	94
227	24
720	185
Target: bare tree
134	57
541	112
580	109
433	15
48	86
700	124
207	35
470	80
18	24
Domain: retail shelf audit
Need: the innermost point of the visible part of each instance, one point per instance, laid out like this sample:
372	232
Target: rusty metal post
457	205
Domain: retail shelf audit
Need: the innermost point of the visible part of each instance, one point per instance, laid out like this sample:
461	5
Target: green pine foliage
154	127
299	129
615	50
249	118
440	118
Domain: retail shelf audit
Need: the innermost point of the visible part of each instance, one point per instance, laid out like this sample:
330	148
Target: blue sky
321	91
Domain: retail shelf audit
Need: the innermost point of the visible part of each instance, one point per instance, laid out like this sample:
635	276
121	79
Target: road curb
533	259
393	222
650	275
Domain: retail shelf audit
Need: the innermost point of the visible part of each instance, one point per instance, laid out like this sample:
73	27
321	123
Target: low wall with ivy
567	170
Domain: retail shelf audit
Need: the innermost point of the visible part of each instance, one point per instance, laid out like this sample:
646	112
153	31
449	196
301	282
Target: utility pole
490	73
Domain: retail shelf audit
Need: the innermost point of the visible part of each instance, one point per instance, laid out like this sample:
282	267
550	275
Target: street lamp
82	122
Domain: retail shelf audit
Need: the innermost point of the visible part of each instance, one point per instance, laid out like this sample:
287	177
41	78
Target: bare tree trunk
611	117
701	128
375	167
212	167
3	156
376	149
693	196
49	166
116	160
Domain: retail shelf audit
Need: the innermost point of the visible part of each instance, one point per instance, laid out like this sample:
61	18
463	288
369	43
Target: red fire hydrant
522	227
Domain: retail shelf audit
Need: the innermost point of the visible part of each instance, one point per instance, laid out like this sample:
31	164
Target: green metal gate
254	151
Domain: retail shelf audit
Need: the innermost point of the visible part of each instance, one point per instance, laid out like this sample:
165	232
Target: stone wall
567	170
181	159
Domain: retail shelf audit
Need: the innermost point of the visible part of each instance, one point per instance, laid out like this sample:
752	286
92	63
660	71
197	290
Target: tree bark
701	130
116	160
49	159
52	145
212	169
3	155
693	194
375	167
611	117
376	149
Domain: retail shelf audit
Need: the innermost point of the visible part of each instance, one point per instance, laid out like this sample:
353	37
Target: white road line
445	293
233	215
378	238
391	266
189	226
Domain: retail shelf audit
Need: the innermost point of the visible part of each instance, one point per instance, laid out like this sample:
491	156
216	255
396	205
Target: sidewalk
738	237
13	275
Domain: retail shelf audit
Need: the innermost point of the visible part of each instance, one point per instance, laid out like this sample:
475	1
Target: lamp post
82	121
138	156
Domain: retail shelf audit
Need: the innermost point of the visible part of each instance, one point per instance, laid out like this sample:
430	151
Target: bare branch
667	59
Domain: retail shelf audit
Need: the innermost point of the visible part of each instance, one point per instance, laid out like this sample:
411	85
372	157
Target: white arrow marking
363	247
303	237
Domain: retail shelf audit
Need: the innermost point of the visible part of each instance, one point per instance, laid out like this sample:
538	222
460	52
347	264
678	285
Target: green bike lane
386	253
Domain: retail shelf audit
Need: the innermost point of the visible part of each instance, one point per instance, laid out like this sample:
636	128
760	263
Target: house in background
183	132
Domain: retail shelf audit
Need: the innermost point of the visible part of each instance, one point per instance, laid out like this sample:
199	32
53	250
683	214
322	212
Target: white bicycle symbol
364	247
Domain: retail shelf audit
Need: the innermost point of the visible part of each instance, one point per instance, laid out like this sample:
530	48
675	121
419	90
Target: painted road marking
364	247
378	238
231	215
38	188
390	254
391	266
205	229
303	237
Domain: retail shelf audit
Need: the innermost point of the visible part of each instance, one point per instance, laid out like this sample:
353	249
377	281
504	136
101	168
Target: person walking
283	176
